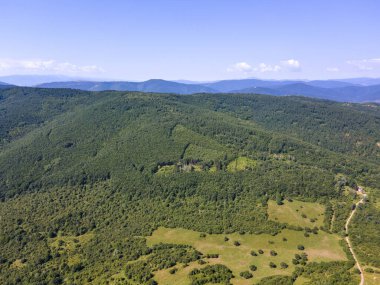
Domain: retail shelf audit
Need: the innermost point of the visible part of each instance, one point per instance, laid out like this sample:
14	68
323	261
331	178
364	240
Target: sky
198	40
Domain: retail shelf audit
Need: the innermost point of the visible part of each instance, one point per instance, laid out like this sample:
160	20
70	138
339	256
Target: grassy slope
291	213
321	247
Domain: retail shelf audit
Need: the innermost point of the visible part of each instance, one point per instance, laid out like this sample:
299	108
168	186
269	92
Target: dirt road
349	242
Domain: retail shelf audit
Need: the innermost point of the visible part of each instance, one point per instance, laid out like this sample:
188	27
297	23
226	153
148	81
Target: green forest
86	177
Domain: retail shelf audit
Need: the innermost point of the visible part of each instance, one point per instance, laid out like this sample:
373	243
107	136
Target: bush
246	274
212	255
236	243
283	265
272	265
253	253
253	267
273	253
300	247
261	251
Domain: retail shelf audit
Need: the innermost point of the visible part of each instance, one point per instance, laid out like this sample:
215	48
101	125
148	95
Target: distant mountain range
153	85
4	85
33	80
342	94
345	90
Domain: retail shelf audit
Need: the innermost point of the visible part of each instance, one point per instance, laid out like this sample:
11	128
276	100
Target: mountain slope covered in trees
85	176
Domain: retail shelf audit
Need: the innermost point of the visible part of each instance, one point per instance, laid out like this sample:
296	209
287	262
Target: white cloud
263	67
365	64
292	64
240	67
45	66
332	69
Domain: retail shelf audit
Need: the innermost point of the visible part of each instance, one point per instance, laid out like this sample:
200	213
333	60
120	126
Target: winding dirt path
349	242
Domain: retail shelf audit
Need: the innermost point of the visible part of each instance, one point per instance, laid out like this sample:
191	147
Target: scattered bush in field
246	274
272	265
253	267
283	265
273	253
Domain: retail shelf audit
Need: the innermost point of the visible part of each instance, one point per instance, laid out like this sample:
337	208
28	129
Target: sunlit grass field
320	247
297	213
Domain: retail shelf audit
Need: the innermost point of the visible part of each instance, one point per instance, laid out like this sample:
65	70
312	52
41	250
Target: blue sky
195	40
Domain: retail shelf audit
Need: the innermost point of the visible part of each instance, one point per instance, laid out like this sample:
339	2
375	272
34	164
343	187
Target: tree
272	265
283	265
279	199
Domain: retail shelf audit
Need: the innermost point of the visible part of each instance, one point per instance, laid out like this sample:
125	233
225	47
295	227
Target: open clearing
320	247
240	164
372	278
297	213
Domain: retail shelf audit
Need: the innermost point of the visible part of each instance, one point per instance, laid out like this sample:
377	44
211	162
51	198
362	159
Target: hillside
153	85
92	183
323	89
341	94
4	85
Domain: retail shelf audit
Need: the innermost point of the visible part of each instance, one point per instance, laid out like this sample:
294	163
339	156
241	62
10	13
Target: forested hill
5	85
54	137
85	176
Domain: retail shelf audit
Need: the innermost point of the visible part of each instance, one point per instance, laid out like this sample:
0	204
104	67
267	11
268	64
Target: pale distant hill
153	85
342	94
344	90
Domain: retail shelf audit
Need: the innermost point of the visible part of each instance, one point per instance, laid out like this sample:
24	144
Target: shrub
246	274
283	265
236	243
272	265
300	247
273	253
212	255
253	267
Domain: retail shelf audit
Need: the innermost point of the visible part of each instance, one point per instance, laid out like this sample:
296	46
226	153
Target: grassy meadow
320	247
297	213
